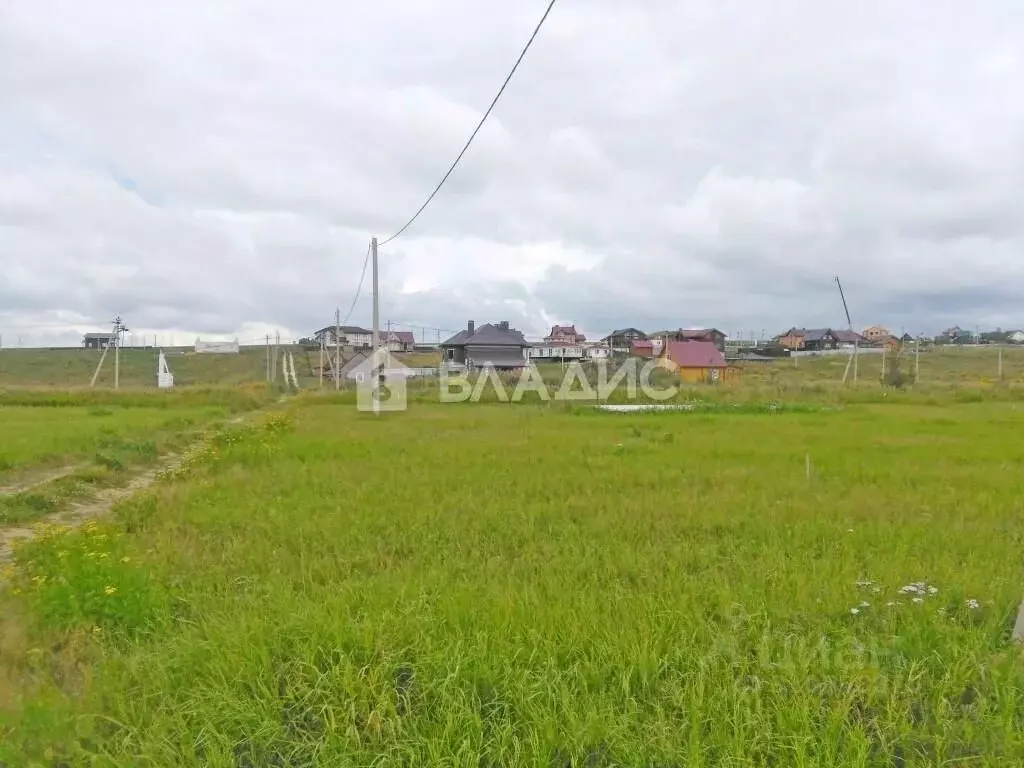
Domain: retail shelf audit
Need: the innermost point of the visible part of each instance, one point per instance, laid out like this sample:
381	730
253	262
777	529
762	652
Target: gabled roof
698	333
695	354
457	340
847	337
404	337
362	362
818	334
488	334
342	329
99	335
492	335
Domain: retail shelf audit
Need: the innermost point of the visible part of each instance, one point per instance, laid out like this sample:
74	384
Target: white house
597	351
556	352
1015	337
347	335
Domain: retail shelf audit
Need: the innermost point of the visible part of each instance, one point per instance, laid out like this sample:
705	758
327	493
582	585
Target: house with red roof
698	362
566	335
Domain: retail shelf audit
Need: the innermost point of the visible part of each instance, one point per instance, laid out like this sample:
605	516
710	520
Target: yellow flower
96	630
108	590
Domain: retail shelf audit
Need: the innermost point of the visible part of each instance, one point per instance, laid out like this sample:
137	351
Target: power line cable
479	125
359	288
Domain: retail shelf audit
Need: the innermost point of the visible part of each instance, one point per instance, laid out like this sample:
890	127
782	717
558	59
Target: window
359	378
450	353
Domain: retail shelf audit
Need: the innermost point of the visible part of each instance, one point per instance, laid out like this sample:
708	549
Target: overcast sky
217	168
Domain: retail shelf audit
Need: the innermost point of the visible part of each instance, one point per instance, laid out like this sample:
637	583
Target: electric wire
479	125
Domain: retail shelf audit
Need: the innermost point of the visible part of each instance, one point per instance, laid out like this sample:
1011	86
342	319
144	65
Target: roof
697	333
492	335
488	334
818	334
99	335
362	362
556	329
621	331
342	329
404	337
457	340
695	354
847	337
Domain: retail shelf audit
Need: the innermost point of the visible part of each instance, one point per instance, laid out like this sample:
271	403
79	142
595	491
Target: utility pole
377	375
917	359
277	351
321	361
119	329
337	348
268	358
1000	363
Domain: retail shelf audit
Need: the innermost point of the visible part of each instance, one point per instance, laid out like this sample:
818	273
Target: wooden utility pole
917	359
1000	363
268	358
376	374
321	361
119	329
337	349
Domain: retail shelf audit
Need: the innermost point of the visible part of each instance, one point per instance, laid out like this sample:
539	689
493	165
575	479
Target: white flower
973	604
863	583
855	611
865	605
876	590
917	600
891	603
933	590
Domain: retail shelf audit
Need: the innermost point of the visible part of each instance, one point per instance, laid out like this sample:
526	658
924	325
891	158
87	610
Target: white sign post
164	377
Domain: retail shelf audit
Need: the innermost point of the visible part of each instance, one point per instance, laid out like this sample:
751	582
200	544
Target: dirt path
37	480
97	505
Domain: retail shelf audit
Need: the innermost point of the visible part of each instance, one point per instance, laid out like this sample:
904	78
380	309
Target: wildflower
917	599
96	630
876	590
973	604
855	611
891	603
863	583
865	605
108	590
933	590
125	559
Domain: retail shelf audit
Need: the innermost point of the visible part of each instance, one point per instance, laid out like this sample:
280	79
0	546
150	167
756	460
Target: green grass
525	586
63	368
56	447
75	367
34	438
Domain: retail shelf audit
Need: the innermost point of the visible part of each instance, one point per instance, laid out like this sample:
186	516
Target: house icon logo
380	383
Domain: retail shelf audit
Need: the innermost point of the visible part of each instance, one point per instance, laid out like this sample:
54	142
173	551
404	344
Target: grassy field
58	447
494	585
64	368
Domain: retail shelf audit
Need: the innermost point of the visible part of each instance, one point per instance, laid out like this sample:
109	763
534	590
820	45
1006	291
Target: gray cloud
218	169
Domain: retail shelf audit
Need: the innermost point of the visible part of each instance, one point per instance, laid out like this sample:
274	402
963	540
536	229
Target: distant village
703	354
